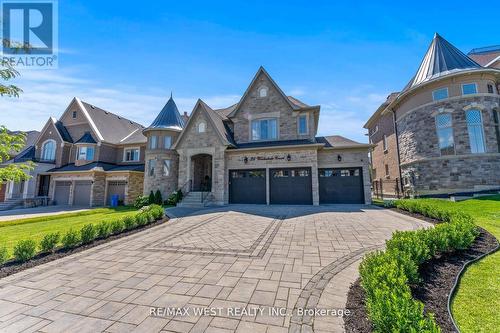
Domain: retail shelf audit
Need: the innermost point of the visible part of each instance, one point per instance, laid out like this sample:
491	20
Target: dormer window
85	154
49	150
303	124
263	92
202	127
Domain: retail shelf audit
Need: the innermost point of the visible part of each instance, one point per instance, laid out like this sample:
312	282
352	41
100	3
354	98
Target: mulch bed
12	266
438	275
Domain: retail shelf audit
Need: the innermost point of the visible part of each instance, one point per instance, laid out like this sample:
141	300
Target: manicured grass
476	304
35	228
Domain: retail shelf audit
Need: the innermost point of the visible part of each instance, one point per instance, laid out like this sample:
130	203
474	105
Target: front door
43	187
202	172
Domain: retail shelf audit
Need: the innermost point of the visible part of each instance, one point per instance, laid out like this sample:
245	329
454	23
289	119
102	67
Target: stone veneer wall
166	184
135	184
98	189
464	171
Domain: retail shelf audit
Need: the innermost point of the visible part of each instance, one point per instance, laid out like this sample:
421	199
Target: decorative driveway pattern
238	257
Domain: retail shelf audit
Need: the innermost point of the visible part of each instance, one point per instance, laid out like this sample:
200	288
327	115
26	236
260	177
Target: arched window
49	150
202	127
263	91
475	129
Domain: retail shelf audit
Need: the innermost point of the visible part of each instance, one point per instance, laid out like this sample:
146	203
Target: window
440	94
264	129
167	142
85	154
303	124
153	142
49	150
490	89
151	167
338	172
496	122
469	88
202	127
444	131
386	171
131	155
263	92
166	167
475	129
384	142
74	114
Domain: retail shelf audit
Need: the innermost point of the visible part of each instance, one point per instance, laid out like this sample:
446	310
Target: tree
11	143
158	198
151	197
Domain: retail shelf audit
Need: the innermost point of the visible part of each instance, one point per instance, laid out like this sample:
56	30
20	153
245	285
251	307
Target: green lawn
477	302
35	228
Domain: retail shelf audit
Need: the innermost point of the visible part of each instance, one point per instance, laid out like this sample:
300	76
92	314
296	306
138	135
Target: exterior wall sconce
288	157
339	158
245	160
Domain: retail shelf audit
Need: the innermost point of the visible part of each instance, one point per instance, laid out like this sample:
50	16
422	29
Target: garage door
81	195
290	186
341	186
116	188
61	193
247	186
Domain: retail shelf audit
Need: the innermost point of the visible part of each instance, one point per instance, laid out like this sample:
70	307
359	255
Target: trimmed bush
129	222
49	242
386	276
25	250
70	239
116	226
141	219
174	198
102	230
158	199
151	198
87	233
141	201
4	254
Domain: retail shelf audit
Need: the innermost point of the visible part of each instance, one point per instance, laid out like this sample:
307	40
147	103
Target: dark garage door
341	186
61	193
81	194
118	188
291	186
247	186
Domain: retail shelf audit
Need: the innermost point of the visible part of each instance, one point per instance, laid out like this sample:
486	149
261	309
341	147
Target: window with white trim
151	167
263	92
131	155
475	129
167	142
469	89
265	129
85	153
153	142
49	150
202	127
439	94
303	128
166	167
444	130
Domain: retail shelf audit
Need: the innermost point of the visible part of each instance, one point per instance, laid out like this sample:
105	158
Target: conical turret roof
168	118
441	59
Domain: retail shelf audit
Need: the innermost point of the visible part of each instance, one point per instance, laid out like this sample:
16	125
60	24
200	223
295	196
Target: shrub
25	250
129	222
151	198
141	219
70	239
141	201
174	198
49	242
116	226
87	233
386	275
4	254
102	230
158	199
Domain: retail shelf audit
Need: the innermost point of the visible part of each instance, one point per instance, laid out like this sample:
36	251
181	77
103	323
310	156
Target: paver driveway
227	260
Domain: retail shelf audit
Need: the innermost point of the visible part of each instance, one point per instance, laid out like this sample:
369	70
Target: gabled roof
486	56
99	165
168	118
441	59
337	141
86	138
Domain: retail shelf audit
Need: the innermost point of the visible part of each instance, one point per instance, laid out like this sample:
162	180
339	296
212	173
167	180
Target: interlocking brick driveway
237	257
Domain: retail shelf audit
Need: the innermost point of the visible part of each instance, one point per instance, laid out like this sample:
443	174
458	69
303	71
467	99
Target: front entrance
341	186
291	186
247	186
201	166
43	187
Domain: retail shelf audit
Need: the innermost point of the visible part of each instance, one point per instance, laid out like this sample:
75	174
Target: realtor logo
29	33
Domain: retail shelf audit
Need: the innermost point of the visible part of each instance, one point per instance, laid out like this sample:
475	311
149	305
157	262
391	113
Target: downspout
397	149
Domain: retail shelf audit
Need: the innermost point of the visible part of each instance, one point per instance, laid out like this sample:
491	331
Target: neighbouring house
440	135
86	157
261	150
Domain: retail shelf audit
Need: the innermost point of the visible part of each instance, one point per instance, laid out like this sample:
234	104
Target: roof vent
93	107
106	112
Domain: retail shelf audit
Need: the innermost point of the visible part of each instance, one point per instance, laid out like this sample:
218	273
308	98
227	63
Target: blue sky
126	56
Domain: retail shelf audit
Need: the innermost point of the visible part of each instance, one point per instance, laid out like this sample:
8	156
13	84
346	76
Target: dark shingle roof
86	138
168	118
337	141
28	154
103	165
63	132
441	59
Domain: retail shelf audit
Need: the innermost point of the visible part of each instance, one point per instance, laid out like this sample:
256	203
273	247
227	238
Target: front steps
11	204
193	200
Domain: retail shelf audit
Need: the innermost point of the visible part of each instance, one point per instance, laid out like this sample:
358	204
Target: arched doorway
201	166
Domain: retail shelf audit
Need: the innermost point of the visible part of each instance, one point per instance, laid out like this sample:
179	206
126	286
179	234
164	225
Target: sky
128	56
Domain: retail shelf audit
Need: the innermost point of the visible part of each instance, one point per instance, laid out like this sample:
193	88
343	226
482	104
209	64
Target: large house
261	150
440	135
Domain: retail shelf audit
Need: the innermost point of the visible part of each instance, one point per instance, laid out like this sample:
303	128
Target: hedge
26	249
386	276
